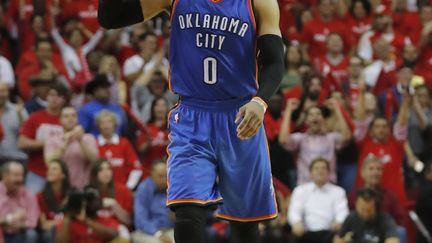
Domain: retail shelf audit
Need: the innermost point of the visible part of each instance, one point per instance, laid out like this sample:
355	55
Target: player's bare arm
114	14
270	69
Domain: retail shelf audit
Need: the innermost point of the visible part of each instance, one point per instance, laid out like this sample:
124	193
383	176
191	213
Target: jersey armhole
253	13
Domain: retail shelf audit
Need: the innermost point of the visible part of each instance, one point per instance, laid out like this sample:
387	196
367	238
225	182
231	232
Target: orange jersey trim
202	202
252	15
173	9
231	218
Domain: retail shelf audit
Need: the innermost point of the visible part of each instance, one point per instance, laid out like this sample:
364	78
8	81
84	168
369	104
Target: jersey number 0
210	69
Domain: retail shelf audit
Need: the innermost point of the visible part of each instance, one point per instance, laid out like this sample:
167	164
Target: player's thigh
245	180
192	169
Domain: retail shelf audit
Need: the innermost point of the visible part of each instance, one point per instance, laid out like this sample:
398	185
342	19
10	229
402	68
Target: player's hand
250	117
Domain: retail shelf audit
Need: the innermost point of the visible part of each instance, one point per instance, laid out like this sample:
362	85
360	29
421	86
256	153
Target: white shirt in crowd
6	72
318	207
135	62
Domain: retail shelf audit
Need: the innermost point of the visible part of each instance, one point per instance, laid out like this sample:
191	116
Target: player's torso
212	49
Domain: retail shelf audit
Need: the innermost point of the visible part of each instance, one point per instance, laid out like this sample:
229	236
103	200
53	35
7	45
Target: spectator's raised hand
292	104
109	202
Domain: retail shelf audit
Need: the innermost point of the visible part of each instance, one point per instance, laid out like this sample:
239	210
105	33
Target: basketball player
218	147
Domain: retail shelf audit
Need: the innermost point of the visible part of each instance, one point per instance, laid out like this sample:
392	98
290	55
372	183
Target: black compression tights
190	224
190	227
244	232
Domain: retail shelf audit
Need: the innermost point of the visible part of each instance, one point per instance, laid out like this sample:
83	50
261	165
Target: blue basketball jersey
213	49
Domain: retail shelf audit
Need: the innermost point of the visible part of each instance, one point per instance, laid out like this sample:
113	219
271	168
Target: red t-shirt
272	126
391	155
315	35
158	146
397	43
14	6
333	75
124	198
29	66
408	24
86	10
50	215
386	80
358	27
39	126
287	18
122	157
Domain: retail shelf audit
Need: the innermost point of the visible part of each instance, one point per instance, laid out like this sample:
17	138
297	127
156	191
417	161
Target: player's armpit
114	14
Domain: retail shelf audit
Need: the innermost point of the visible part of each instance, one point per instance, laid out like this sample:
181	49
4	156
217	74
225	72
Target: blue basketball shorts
208	163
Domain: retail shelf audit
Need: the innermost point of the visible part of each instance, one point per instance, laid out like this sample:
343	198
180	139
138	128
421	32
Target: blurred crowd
83	125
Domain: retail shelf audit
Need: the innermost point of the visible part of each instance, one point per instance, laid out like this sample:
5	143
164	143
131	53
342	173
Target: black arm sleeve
271	65
114	14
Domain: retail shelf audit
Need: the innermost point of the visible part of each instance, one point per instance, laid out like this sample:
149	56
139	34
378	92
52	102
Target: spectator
7	75
293	60
367	223
12	117
359	18
51	199
40	126
351	86
146	90
137	64
317	208
99	88
76	149
117	150
153	144
371	173
315	142
153	221
30	30
40	86
18	211
116	198
391	99
315	31
425	45
42	63
81	223
410	55
420	120
380	75
74	52
424	203
425	14
110	67
383	29
282	168
333	64
311	93
374	138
